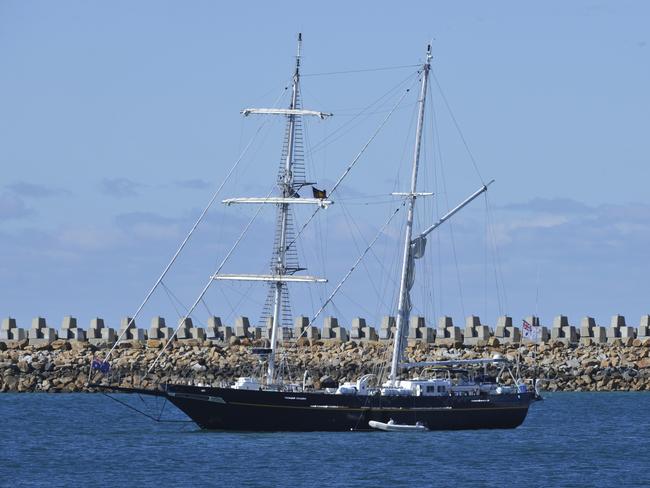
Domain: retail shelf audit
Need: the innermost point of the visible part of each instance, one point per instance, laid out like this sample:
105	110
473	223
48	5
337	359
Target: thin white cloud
575	231
588	262
506	229
87	238
549	205
13	207
148	226
120	187
193	184
35	190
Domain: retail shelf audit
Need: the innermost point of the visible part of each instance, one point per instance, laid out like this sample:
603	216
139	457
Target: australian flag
101	366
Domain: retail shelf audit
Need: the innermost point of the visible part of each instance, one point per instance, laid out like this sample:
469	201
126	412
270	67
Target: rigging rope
186	240
366	70
350	221
444	187
171	298
334	135
205	288
206	307
351	165
350	271
243	295
498	270
232	309
451	227
460	132
155	419
436	201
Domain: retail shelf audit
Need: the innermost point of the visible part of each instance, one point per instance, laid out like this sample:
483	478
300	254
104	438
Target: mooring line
144	413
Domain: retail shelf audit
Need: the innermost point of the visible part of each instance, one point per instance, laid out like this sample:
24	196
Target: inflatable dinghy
391	426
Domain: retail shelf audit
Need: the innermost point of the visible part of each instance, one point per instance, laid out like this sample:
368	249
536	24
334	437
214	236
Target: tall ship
436	395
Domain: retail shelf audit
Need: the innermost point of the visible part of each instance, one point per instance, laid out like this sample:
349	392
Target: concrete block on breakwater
475	332
563	332
361	331
10	332
447	334
98	333
506	332
419	331
590	333
644	327
70	331
40	333
332	329
387	328
158	329
619	330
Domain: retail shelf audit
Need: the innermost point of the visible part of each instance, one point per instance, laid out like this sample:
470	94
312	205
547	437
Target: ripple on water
570	439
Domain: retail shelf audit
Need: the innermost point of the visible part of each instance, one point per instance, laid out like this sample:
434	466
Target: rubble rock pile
64	365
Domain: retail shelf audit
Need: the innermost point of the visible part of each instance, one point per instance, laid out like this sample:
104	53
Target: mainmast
406	279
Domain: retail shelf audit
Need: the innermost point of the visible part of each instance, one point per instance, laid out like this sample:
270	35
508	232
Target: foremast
287	191
407	276
281	271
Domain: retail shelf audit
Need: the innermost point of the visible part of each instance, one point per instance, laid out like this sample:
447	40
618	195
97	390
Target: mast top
299	51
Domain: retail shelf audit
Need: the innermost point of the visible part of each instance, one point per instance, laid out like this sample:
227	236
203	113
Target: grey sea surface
77	439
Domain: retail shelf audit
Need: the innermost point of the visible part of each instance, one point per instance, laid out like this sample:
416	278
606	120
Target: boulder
61	344
493	342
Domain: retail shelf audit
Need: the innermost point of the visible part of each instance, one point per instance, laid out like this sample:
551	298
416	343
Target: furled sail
417	249
418	246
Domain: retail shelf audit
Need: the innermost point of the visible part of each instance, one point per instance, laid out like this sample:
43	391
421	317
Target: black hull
245	410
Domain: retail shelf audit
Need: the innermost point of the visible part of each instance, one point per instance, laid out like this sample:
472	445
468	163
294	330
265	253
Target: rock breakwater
63	366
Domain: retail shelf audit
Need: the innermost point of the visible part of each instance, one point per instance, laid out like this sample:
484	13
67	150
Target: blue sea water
570	439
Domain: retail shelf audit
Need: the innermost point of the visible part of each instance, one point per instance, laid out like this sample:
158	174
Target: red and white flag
530	332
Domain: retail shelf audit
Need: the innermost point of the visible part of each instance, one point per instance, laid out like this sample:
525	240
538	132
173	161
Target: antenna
299	50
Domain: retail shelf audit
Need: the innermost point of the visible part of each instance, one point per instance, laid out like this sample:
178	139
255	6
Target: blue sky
119	119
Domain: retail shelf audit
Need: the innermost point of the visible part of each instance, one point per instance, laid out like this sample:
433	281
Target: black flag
318	193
